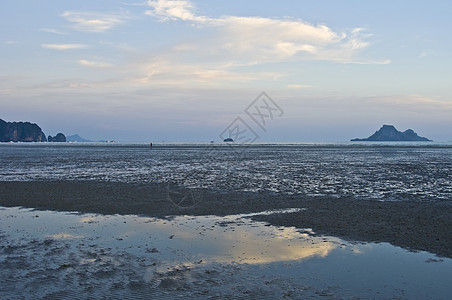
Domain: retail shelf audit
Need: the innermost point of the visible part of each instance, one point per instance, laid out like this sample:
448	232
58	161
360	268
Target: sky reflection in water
158	246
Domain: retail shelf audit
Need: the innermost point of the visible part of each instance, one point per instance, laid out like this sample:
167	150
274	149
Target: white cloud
92	21
64	46
173	10
93	64
235	51
229	54
259	40
51	30
276	40
165	71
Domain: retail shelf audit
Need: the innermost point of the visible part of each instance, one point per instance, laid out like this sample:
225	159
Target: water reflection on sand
230	239
53	254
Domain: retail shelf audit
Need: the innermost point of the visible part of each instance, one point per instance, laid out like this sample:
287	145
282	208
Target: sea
379	171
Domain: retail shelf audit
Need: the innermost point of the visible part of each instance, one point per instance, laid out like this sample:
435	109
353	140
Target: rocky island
60	138
388	133
25	132
20	132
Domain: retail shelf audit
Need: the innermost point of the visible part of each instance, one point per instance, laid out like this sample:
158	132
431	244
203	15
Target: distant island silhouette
21	132
59	138
77	138
388	133
26	132
30	132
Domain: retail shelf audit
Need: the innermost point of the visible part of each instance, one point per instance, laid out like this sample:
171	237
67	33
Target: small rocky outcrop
20	132
57	138
388	133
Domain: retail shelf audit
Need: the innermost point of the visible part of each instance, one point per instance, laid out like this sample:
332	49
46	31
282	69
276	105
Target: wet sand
425	226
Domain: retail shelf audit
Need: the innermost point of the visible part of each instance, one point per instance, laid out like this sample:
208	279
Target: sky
195	70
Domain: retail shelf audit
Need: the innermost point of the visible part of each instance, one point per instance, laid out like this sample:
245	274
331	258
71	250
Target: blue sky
184	70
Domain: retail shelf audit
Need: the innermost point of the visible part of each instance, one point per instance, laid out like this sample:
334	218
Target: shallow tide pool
45	254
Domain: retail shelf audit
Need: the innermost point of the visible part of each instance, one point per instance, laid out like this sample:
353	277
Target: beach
268	221
414	225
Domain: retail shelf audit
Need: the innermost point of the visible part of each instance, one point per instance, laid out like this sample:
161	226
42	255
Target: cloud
173	10
230	52
260	40
93	64
423	54
166	71
64	46
419	104
226	51
92	21
51	30
299	86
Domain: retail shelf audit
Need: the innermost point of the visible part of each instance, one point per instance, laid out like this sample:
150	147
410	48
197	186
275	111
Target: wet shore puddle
46	254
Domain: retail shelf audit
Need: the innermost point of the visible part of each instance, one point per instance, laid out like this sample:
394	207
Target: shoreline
413	225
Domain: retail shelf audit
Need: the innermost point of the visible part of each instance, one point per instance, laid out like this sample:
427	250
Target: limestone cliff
20	132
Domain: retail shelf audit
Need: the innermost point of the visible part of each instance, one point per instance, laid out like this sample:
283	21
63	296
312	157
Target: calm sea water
385	171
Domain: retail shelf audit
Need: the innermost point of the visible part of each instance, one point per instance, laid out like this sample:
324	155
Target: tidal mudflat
125	221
